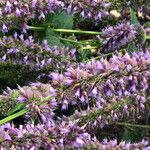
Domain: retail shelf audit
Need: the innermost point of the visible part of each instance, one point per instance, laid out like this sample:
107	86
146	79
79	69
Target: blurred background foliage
12	75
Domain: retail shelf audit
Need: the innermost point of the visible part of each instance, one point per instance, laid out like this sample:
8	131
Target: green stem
65	30
72	41
77	31
70	31
89	47
147	37
22	112
85	41
36	28
11	117
132	125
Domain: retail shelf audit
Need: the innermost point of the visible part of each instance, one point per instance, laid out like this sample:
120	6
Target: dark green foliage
131	46
53	39
60	20
13	75
118	4
7	103
56	20
133	135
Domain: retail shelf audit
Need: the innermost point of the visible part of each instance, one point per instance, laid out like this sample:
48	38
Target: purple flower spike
116	37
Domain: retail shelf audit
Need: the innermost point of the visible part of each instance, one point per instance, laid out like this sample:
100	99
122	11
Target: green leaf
84	54
131	47
53	39
49	32
132	135
134	21
60	20
133	17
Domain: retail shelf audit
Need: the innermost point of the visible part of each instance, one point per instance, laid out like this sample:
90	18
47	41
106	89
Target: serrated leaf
50	32
53	39
60	20
131	47
133	17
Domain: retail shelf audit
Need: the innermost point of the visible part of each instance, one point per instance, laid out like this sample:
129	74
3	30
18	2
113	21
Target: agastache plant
118	36
17	49
39	100
120	76
91	89
125	86
22	11
95	9
66	135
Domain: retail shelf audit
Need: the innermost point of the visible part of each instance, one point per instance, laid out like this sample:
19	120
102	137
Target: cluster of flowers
66	135
118	36
25	51
100	81
105	80
99	93
95	9
40	100
22	11
112	113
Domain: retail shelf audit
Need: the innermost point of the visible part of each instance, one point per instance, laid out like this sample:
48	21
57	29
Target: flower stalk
67	31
